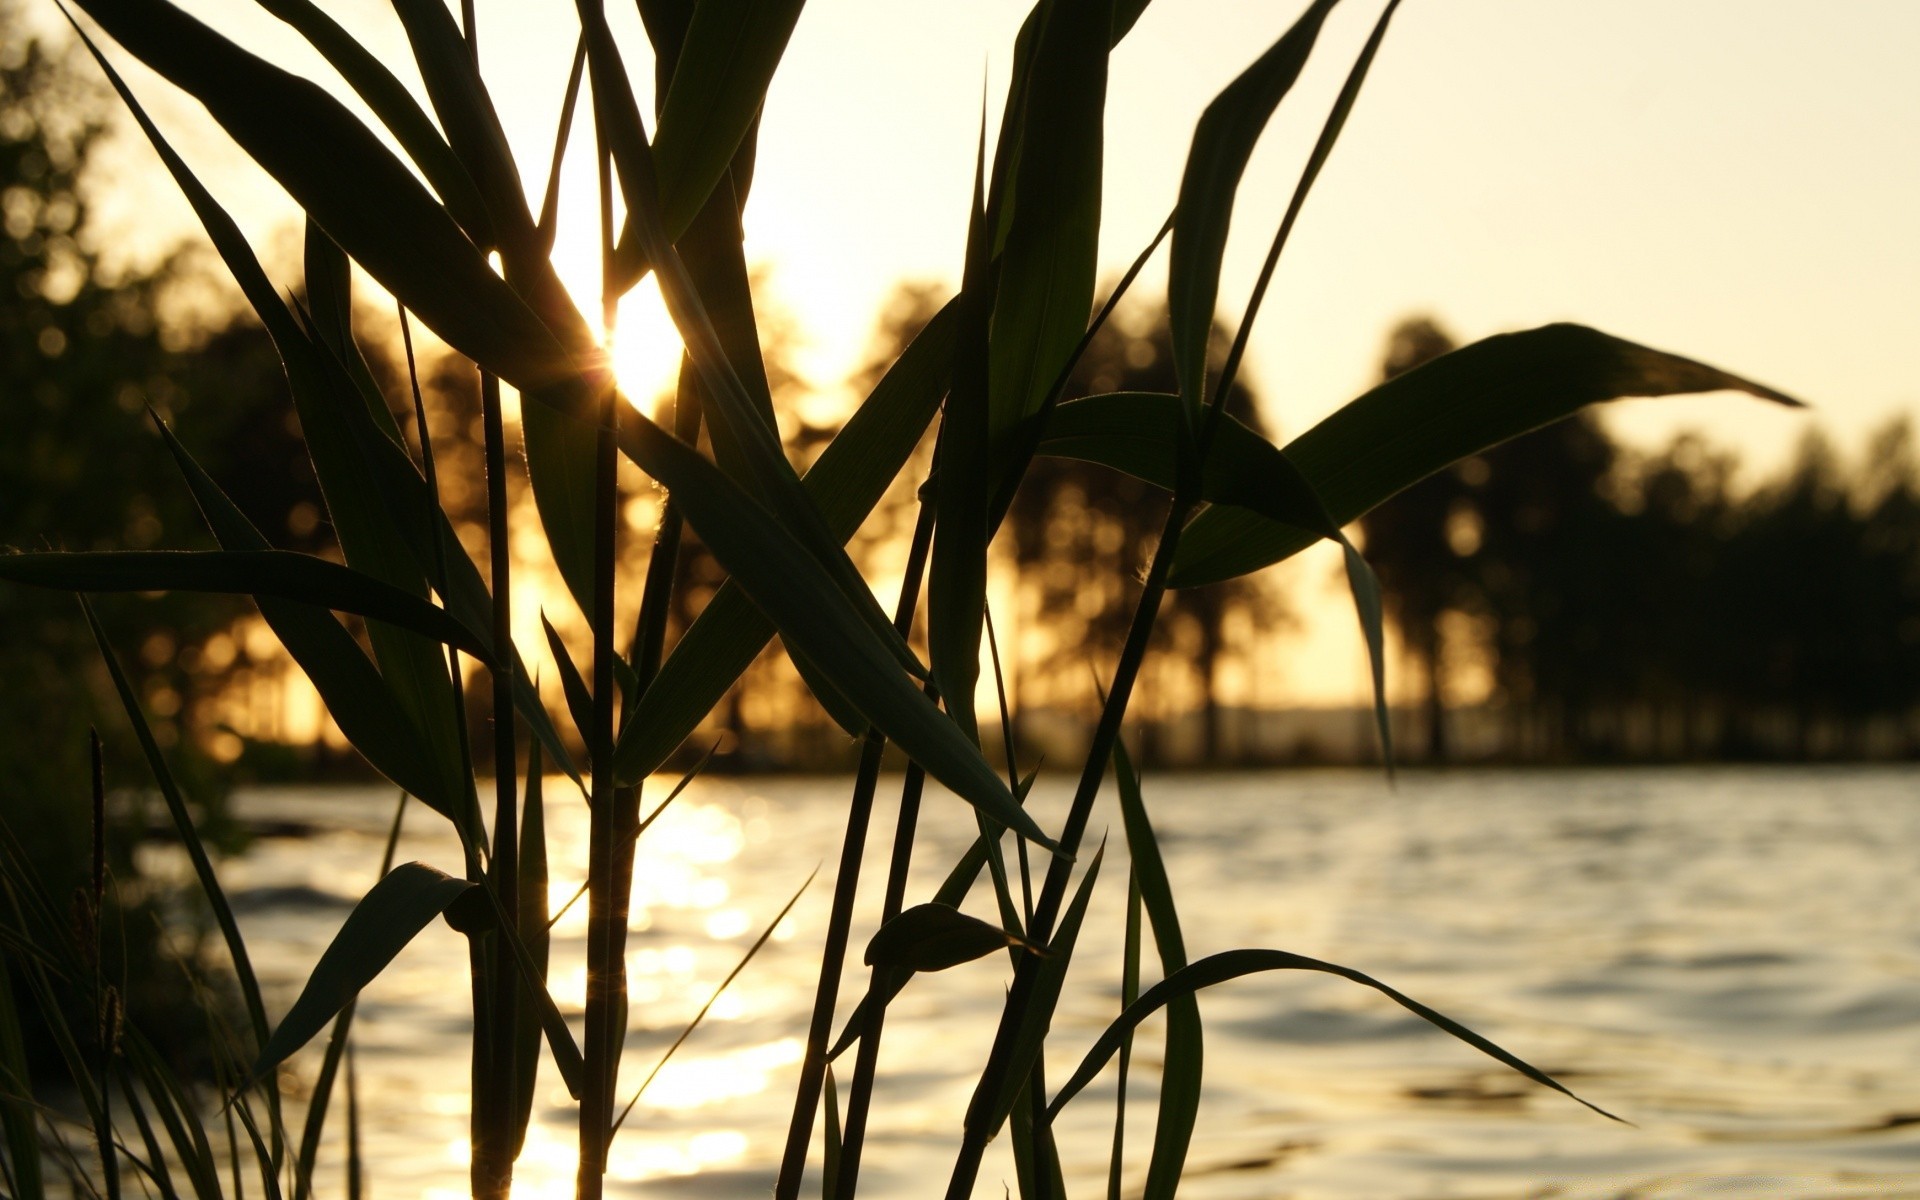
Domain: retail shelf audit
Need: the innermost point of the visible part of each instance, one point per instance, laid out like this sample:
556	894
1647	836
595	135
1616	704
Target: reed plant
432	206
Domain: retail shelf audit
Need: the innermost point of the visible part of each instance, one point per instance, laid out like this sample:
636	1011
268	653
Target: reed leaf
720	73
1232	964
466	112
1452	408
1184	1059
847	480
397	109
176	804
934	937
1047	265
795	591
1037	1019
1223	141
280	574
19	1116
390	915
364	197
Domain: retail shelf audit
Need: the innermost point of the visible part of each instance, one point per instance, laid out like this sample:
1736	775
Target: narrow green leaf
1451	408
356	696
729	406
1047	267
738	967
460	99
1184	1058
366	199
847	480
572	684
1232	964
720	77
1038	1019
830	1169
795	591
1365	586
533	905
281	574
933	937
398	111
1223	141
203	872
389	916
957	569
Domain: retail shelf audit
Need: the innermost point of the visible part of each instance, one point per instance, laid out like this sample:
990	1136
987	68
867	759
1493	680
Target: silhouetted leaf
720	79
1184	1058
1045	292
1222	143
365	198
933	937
795	591
1449	409
389	916
1038	1017
847	480
398	111
356	696
1219	968
278	573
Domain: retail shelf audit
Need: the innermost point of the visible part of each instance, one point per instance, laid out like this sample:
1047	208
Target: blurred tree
1419	541
1080	535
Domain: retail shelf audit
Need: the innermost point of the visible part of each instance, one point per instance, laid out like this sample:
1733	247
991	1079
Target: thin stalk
505	867
606	974
860	1095
813	1065
976	1130
480	1122
105	998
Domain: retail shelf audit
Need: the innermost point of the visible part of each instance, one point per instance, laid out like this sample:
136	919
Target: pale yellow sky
1737	180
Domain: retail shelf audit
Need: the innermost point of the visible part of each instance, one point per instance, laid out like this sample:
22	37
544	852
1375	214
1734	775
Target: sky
1735	180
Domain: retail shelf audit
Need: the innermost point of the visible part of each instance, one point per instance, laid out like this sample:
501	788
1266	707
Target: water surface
1730	958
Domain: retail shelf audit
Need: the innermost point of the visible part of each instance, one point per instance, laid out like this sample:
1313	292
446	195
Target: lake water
1729	958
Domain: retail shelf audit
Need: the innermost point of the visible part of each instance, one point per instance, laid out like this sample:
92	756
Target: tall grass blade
791	586
720	75
389	916
358	699
1050	978
1456	406
1183	1061
534	935
398	111
1046	270
280	574
190	841
1129	992
466	112
1232	964
364	197
1223	141
725	983
338	1047
847	481
957	576
830	1166
19	1116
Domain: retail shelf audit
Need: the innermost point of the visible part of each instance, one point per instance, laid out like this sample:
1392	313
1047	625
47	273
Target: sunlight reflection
694	1083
